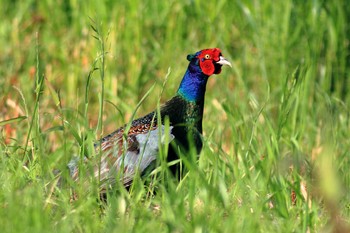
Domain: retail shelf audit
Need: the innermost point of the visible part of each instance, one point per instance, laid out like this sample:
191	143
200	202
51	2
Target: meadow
276	125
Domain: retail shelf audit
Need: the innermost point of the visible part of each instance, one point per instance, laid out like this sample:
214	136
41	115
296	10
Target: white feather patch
148	151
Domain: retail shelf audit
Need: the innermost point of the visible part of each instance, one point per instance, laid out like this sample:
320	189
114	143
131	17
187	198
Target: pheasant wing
122	157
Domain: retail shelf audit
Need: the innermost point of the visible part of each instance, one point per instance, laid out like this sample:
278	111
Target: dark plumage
185	113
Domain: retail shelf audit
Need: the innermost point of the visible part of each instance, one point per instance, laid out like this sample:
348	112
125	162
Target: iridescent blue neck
193	84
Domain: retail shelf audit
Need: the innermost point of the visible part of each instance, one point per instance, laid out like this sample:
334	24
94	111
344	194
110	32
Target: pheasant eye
207	56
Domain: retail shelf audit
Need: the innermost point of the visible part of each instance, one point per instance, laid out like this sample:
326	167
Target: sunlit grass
276	126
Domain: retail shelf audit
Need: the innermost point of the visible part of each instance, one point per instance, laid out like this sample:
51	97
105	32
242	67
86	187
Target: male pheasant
123	157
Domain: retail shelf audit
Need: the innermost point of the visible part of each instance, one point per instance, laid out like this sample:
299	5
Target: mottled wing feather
122	158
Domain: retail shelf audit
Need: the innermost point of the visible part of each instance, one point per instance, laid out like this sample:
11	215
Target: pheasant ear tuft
190	57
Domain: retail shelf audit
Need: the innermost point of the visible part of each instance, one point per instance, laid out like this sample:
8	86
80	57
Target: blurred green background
274	125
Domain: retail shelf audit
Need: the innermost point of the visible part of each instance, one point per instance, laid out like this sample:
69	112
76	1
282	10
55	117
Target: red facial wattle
207	67
208	61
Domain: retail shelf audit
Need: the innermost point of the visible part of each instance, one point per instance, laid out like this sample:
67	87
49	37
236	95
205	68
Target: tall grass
276	126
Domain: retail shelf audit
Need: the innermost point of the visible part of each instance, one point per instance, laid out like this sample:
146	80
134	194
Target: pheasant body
135	152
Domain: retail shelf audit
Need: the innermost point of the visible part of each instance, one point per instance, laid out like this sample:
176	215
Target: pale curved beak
223	61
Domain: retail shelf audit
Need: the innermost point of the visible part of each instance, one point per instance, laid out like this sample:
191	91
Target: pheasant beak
223	61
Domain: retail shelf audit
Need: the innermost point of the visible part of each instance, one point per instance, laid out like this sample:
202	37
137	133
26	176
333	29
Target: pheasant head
202	65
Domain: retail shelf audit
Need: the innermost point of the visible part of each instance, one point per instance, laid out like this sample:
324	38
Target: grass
274	125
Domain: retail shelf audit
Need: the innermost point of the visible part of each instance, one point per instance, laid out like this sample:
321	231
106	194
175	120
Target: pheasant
124	156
